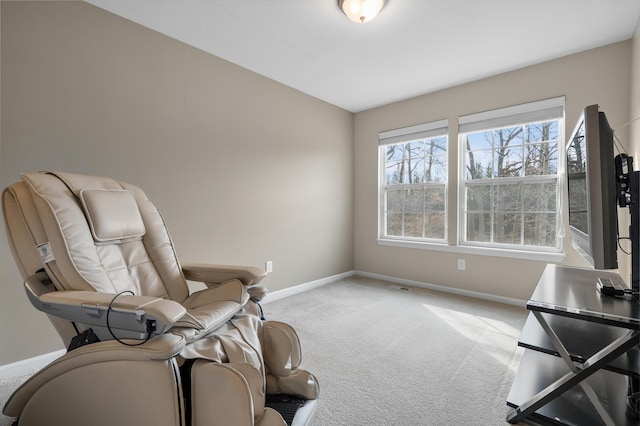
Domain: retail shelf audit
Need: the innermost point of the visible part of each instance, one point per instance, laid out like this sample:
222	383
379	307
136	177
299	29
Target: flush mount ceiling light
361	11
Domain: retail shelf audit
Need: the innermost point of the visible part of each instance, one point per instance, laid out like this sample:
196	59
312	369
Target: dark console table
581	351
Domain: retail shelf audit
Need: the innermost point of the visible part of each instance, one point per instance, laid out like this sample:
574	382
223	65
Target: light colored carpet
386	356
7	386
389	356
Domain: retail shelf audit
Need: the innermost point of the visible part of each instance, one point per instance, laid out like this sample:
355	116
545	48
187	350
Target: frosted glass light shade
361	11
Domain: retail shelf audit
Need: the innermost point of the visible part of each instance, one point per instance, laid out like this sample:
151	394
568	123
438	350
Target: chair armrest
216	274
257	293
136	314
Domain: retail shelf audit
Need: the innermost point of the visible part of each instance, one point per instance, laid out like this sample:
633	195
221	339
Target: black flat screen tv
593	204
599	181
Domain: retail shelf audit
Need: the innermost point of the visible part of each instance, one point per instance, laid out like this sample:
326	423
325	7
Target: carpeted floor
385	355
7	386
388	356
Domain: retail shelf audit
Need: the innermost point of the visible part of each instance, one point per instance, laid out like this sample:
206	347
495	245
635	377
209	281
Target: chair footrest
286	405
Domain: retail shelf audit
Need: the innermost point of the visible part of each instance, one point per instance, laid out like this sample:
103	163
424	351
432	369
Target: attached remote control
608	288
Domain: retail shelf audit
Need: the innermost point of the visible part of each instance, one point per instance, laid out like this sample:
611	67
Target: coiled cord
149	323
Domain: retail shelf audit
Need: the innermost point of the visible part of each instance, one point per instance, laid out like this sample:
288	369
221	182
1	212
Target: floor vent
397	287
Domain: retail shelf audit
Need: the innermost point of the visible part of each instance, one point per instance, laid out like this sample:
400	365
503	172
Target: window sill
482	251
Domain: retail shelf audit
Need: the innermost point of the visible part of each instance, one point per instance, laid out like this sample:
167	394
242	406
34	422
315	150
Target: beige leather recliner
98	260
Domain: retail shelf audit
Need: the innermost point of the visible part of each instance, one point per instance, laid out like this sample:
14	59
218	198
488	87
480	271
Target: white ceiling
413	47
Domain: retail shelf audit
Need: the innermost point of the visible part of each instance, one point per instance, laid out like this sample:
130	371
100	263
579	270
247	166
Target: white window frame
405	135
545	110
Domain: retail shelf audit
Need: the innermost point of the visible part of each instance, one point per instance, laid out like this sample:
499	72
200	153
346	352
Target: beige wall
243	169
635	95
599	76
634	117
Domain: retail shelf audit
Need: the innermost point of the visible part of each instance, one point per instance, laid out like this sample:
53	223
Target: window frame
519	115
430	130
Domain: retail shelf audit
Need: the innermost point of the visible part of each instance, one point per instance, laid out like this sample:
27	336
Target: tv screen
591	176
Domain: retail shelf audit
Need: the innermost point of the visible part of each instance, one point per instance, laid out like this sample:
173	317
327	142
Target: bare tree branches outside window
507	180
415	178
511	185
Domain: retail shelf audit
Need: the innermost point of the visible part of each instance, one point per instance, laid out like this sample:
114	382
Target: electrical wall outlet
268	266
461	265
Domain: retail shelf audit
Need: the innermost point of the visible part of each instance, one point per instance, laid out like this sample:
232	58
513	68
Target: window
413	182
509	180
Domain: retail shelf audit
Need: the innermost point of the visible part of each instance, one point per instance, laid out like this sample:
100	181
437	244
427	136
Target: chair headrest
111	211
112	214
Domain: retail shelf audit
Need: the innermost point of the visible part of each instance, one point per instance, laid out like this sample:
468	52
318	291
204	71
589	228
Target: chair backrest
91	233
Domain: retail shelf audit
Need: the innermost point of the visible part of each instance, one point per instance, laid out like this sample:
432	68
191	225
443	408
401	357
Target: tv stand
581	352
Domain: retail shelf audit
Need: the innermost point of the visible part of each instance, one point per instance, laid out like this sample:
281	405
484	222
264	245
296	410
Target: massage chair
143	349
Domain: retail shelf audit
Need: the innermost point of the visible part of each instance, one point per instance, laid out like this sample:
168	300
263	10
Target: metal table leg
576	375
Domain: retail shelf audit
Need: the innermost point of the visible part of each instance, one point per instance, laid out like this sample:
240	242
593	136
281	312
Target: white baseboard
38	362
445	289
301	288
30	364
